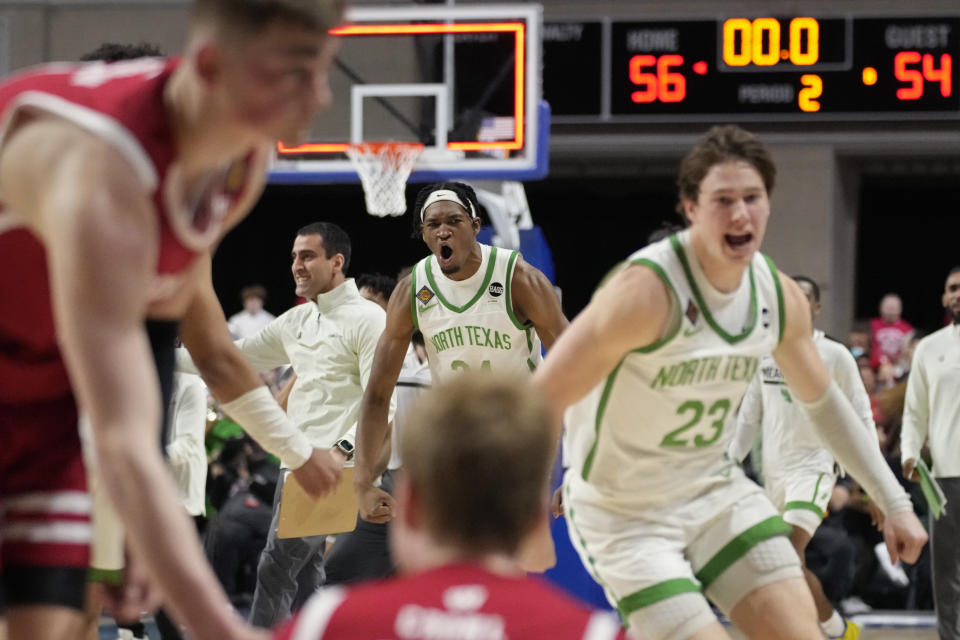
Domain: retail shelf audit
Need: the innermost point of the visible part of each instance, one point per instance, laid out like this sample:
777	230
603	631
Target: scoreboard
754	68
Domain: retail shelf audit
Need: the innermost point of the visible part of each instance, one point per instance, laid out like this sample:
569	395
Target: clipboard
936	499
302	516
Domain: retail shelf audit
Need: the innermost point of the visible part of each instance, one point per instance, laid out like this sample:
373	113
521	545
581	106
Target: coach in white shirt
932	413
329	341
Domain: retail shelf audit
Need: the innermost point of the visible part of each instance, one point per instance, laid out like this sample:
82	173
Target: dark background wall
909	236
591	224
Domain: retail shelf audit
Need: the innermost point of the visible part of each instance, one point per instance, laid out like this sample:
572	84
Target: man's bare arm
535	299
98	224
373	429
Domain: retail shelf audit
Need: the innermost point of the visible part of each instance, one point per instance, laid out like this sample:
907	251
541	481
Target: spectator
859	339
239	533
253	317
376	287
889	334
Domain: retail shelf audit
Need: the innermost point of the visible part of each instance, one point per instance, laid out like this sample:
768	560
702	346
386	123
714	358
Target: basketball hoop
383	168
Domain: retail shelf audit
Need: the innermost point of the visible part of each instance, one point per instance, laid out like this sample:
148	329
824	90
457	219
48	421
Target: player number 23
717	411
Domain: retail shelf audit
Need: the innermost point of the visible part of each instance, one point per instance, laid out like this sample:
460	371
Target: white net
383	168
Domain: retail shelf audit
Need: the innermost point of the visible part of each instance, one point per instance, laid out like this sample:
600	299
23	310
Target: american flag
496	128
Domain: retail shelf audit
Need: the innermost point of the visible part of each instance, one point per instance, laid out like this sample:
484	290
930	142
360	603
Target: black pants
362	554
944	535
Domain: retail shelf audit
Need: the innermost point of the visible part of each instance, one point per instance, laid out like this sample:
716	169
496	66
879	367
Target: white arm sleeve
916	411
260	415
847	375
749	420
841	430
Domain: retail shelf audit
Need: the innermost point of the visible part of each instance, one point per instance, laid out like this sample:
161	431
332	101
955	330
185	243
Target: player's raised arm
373	429
100	234
629	311
841	429
535	299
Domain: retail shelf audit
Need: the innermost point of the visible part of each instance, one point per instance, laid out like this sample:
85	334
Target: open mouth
738	241
446	252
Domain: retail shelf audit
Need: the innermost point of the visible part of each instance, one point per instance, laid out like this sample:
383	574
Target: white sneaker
894	571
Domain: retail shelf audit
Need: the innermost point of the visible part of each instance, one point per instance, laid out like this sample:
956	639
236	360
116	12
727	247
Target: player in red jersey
116	180
477	456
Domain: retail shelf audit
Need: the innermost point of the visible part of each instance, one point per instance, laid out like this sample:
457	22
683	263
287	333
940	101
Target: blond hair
478	452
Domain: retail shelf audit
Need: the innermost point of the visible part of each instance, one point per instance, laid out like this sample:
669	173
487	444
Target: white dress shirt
932	404
330	343
186	453
243	324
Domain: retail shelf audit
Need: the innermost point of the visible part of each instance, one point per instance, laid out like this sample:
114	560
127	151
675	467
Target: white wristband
260	415
841	430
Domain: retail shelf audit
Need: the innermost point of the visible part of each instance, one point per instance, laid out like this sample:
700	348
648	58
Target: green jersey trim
112	577
655	593
804	505
590	563
731	339
491	263
780	305
509	300
739	546
657	269
413	298
601	409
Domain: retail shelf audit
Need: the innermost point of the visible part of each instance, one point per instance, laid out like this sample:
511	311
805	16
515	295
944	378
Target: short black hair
953	270
335	240
378	283
464	191
113	52
813	285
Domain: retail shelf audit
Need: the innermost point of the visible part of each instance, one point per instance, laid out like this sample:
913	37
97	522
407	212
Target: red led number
943	75
663	85
927	71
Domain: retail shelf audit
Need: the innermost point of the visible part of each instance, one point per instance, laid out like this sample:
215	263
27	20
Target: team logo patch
692	312
495	289
425	295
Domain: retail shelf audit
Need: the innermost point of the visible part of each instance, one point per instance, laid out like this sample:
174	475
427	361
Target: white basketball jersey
656	429
470	324
789	438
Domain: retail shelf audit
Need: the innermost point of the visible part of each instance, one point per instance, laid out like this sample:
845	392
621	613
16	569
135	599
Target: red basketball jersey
457	602
123	104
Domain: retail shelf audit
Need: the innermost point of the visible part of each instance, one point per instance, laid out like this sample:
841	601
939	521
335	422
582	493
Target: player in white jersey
653	370
478	308
799	474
